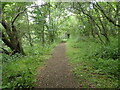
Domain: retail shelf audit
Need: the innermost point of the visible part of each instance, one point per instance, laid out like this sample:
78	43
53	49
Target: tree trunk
29	36
43	37
13	42
105	31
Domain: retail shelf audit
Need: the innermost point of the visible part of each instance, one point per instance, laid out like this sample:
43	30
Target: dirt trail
56	73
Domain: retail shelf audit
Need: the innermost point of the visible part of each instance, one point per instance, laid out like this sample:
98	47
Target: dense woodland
30	31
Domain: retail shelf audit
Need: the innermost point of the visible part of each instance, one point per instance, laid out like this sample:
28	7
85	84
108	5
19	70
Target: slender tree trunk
43	37
105	31
30	39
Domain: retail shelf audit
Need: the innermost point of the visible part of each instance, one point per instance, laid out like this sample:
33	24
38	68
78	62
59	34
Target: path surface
56	72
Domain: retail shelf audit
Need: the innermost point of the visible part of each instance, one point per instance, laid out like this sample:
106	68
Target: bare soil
56	73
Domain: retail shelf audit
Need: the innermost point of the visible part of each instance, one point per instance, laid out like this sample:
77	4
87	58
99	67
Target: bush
108	51
19	72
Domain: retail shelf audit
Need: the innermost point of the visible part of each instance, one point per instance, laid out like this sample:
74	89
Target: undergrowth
19	71
94	65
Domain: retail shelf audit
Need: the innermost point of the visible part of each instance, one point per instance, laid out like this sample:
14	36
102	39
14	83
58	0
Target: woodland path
56	73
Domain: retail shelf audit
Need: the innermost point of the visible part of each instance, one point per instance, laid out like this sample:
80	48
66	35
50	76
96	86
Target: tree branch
22	12
6	41
7	27
18	15
108	18
89	17
5	51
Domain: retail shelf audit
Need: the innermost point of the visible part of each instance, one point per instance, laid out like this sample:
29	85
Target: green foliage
108	51
39	28
64	40
19	71
91	70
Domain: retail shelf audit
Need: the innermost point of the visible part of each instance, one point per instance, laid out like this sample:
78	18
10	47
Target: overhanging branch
108	18
18	15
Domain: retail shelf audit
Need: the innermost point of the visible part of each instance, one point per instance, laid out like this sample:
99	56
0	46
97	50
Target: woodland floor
56	73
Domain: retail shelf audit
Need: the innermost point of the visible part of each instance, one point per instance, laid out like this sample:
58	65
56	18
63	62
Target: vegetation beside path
94	65
29	30
20	71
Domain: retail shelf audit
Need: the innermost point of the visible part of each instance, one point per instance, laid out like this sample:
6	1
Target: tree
10	35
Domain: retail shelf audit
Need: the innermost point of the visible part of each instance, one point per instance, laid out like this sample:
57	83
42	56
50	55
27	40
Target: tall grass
94	64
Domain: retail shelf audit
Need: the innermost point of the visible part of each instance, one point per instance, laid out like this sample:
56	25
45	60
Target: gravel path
56	73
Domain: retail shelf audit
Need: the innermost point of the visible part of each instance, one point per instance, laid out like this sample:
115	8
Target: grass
20	71
92	70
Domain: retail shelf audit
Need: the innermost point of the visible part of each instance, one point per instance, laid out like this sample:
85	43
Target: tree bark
13	42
